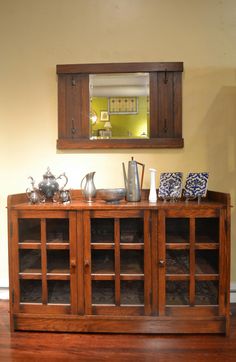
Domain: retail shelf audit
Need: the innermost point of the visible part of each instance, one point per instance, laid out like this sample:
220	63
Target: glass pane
131	262
177	262
58	261
177	292
59	291
103	292
30	261
132	292
29	231
207	230
177	230
207	292
207	262
102	230
30	291
119	105
103	262
131	230
57	230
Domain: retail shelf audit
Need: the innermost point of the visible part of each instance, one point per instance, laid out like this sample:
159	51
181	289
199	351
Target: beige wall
37	35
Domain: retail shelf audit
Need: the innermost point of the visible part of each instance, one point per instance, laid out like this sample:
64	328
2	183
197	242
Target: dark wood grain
25	346
119	67
86	143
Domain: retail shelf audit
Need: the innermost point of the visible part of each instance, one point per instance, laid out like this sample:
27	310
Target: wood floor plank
31	346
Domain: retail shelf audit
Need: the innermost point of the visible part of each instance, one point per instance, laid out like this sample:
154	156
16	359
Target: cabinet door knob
86	263
161	263
73	263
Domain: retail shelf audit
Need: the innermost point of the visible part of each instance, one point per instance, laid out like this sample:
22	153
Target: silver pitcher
132	184
88	188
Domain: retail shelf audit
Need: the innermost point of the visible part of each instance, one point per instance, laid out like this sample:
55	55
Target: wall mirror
119	106
122	105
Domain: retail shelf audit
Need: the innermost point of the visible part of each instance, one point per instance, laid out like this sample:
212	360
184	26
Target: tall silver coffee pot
132	184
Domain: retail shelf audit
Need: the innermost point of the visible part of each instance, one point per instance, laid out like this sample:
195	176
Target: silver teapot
49	185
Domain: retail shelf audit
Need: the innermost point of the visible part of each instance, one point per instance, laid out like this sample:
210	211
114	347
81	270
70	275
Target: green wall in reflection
123	125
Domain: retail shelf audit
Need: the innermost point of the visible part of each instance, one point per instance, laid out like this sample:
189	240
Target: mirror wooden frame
165	90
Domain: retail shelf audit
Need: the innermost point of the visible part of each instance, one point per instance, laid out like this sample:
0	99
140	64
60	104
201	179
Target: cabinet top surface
214	200
123	205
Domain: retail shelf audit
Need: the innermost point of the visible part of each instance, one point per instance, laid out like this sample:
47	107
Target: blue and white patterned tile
170	185
196	184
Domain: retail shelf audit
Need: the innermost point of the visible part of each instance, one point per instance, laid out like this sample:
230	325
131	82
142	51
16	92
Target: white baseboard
4	283
4	293
233	292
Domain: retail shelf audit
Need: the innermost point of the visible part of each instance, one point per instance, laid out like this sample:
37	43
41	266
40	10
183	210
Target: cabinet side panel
147	263
161	240
87	263
75	265
14	263
154	258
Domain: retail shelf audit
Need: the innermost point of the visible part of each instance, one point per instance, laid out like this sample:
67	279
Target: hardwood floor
24	346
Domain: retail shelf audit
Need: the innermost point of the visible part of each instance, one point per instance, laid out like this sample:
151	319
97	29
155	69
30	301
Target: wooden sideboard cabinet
126	268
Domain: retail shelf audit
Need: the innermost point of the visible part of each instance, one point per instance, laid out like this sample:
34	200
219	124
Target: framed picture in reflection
104	116
123	105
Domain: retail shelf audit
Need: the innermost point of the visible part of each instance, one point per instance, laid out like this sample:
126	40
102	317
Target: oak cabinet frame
126	268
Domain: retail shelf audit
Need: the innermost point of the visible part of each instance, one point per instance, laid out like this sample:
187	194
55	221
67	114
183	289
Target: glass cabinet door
207	261
115	254
30	260
192	265
177	261
45	249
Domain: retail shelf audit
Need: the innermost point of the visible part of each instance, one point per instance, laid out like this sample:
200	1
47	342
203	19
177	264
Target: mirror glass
119	105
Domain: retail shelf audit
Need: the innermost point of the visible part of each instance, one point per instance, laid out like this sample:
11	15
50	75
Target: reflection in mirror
119	105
